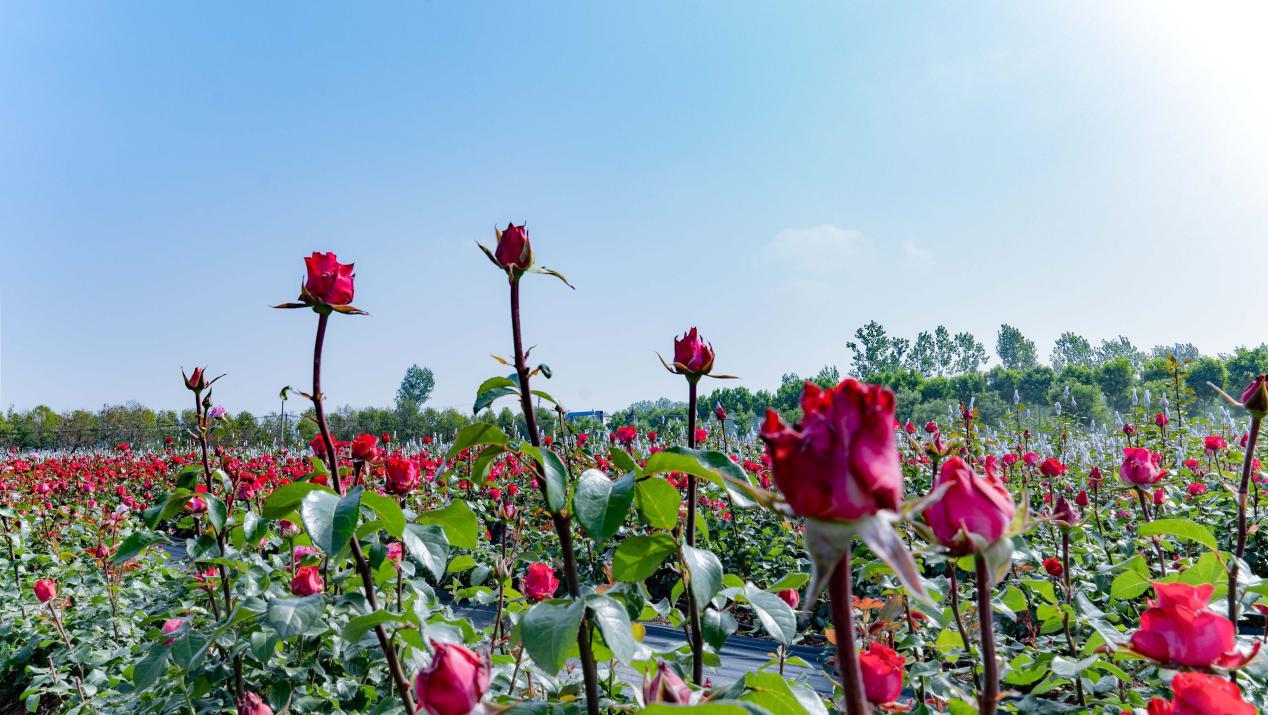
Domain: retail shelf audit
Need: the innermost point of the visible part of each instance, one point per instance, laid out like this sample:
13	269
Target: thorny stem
986	621
841	597
563	526
959	624
1065	616
1144	512
689	538
1242	489
363	567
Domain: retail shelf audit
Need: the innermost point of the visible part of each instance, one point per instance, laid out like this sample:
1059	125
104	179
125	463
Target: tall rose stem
363	567
1242	492
689	538
563	526
986	620
1065	616
959	624
840	594
1144	512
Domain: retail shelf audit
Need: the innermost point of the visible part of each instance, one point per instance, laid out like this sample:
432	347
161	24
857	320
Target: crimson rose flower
453	683
364	448
1255	396
1053	566
329	281
45	590
514	250
1140	466
307	581
666	687
539	582
972	505
1179	629
1052	468
841	462
693	357
402	475
1201	694
882	670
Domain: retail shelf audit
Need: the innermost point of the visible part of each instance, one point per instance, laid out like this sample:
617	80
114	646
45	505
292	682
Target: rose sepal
826	542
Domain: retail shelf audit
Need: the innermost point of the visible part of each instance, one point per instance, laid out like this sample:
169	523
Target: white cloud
915	253
821	248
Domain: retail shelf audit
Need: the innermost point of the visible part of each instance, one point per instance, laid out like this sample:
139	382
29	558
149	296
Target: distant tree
1117	348
872	350
829	376
1115	380
1071	349
943	351
969	354
416	386
1015	351
1181	351
1243	365
1207	370
921	357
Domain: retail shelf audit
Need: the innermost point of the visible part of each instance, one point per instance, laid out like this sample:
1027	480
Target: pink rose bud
539	582
1255	396
972	506
253	704
790	596
453	683
307	581
45	590
1140	466
666	687
882	669
329	281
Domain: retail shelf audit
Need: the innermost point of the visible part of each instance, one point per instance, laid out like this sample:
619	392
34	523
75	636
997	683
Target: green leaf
776	616
638	557
166	507
253	527
658	503
330	520
286	498
549	630
428	544
601	504
475	434
1128	585
149	668
491	389
717	626
614	624
554	474
388	510
461	526
216	512
187	478
357	627
136	542
1181	529
705	573
189	650
293	616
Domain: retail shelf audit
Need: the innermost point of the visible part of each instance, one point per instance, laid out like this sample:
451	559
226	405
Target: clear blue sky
776	173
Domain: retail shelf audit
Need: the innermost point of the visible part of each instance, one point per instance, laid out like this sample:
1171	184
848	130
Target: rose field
1034	562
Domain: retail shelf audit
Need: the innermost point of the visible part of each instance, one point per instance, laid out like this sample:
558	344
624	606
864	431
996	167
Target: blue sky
776	173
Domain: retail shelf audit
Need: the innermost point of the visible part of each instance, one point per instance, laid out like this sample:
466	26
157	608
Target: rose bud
171	626
666	687
882	670
1052	468
931	427
1140	466
719	412
790	596
693	357
328	281
1179	629
1081	498
1064	514
973	510
453	683
287	529
197	505
1255	396
318	446
253	704
841	463
1161	420
1053	566
395	551
402	475
1196	489
386	438
197	380
45	590
937	447
1160	497
1214	443
1201	694
307	581
216	412
364	448
1129	429
539	582
1030	458
514	251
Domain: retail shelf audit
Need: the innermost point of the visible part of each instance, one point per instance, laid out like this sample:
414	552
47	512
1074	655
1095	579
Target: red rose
1255	396
882	669
402	475
539	582
1214	443
453	683
1201	694
385	438
1053	566
172	625
719	412
1052	468
790	596
1161	420
841	463
1030	458
1140	466
1010	459
1064	513
329	281
307	581
318	445
625	435
931	427
1197	488
692	355
1081	498
1159	497
1178	629
253	704
45	590
514	250
364	448
666	687
971	505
